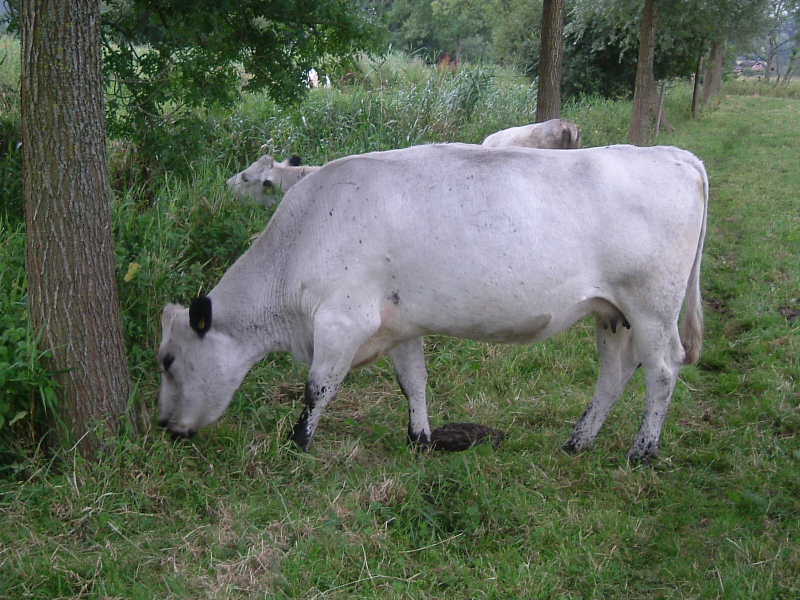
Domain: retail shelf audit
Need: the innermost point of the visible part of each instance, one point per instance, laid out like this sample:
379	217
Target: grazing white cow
557	134
261	180
373	252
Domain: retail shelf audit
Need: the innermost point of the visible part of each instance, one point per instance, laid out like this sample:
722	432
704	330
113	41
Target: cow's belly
523	324
505	323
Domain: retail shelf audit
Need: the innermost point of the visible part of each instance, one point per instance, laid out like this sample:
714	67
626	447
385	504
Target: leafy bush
11	207
27	388
11	202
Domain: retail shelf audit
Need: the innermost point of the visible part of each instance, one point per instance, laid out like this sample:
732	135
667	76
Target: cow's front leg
317	397
409	364
337	338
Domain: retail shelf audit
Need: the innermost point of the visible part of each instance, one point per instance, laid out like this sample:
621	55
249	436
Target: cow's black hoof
418	441
644	453
574	447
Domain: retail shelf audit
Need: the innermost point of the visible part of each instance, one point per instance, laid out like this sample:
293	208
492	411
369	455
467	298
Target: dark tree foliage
516	34
601	58
461	28
162	55
602	40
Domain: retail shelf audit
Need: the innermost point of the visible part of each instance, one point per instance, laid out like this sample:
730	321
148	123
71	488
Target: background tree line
601	38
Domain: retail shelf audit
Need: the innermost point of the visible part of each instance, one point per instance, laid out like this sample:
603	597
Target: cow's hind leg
617	364
662	354
409	363
337	338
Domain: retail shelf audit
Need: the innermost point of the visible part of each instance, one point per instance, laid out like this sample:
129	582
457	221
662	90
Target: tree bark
644	96
70	250
548	102
712	83
772	57
696	88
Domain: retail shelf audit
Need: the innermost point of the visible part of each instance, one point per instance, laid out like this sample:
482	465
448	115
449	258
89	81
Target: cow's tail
566	138
692	328
570	136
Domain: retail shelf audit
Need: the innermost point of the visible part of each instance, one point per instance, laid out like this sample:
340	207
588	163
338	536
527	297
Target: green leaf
17	417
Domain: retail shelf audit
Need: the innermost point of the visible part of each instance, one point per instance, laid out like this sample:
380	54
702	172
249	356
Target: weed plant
10	137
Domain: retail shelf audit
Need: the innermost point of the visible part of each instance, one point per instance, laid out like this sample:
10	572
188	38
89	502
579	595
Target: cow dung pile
455	437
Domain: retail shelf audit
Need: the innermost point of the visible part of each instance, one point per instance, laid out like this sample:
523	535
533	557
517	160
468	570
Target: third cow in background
556	134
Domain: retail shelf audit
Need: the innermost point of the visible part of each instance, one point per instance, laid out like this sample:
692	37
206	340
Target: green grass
238	513
752	86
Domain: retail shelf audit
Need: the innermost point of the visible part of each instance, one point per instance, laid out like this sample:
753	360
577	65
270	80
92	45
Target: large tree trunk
712	83
645	95
548	102
71	262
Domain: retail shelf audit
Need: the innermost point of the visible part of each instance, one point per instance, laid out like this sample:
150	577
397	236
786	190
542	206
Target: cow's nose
163	422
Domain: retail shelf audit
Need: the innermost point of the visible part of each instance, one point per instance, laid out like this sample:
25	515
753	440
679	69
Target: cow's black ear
200	315
295	161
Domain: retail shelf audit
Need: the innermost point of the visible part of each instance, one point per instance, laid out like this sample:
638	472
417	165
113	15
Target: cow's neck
252	297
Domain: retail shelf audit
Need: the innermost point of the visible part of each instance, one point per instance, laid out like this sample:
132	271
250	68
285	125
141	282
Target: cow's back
463	198
484	233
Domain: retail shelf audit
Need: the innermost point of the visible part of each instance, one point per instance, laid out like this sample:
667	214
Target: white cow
557	134
312	78
261	180
373	252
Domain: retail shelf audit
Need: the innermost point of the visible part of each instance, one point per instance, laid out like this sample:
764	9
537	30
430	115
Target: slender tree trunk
772	58
787	76
644	95
70	254
696	88
548	102
712	84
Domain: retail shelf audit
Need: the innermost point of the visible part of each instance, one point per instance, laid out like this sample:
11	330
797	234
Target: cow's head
264	178
201	368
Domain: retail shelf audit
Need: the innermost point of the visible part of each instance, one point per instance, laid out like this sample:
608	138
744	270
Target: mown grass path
239	514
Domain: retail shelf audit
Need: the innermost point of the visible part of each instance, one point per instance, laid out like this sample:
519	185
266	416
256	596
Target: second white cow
556	134
265	177
373	252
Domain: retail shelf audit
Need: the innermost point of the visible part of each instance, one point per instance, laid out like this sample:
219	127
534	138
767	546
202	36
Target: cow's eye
267	183
167	361
244	178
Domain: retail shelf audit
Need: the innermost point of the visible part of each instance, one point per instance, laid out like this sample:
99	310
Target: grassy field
752	86
238	513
